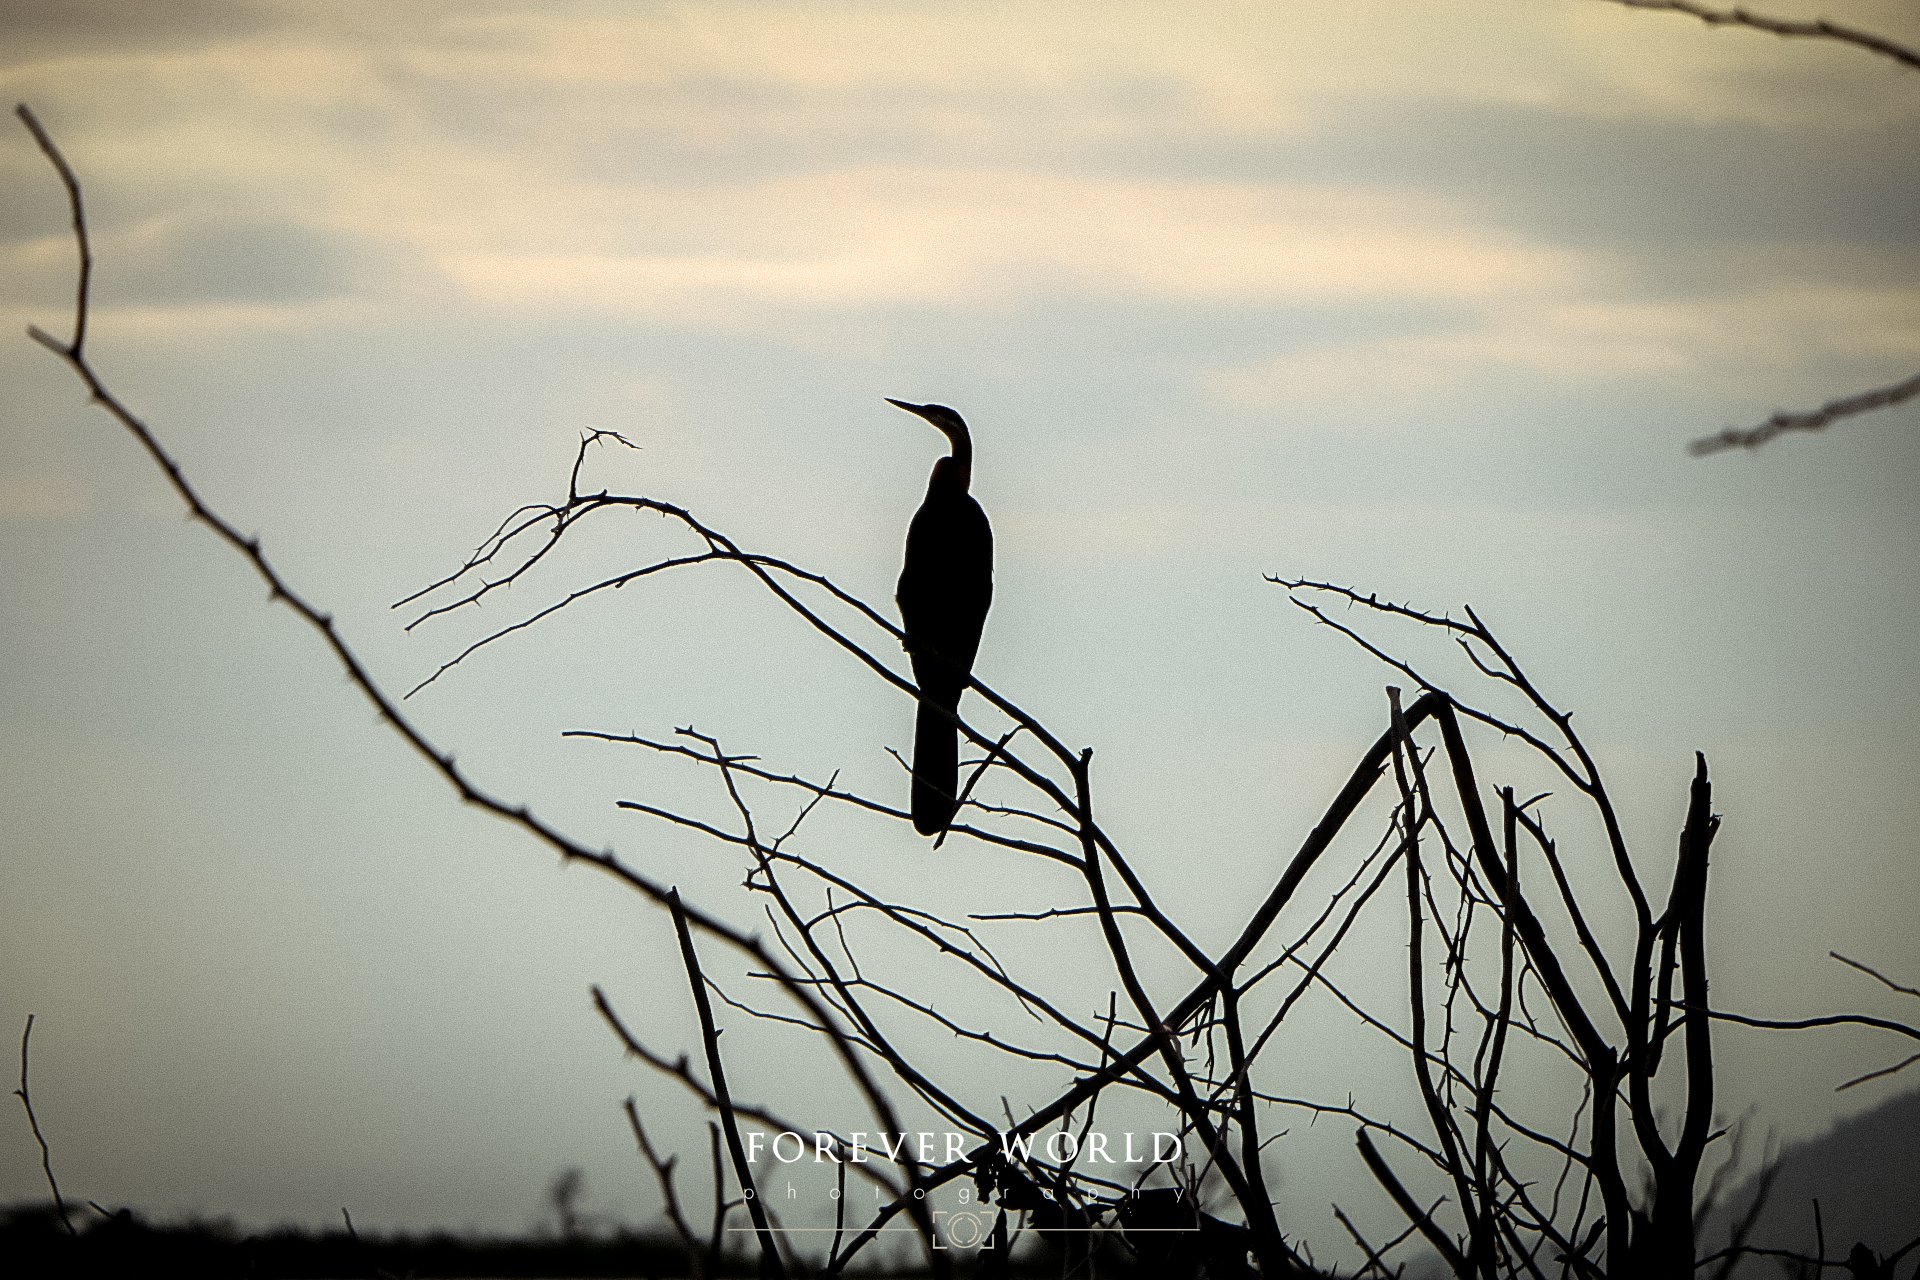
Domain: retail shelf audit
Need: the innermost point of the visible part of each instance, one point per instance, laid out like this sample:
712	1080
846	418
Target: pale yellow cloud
1232	65
1226	59
312	102
862	236
496	148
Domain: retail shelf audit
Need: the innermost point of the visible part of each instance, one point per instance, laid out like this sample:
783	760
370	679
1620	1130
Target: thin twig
663	1170
1807	1024
1870	970
46	1156
769	1254
1375	1256
1875	1075
1819	28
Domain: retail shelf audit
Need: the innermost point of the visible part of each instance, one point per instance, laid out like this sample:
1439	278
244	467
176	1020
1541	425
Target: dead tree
1468	857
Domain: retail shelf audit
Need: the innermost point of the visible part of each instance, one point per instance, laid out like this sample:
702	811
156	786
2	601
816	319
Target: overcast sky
1423	297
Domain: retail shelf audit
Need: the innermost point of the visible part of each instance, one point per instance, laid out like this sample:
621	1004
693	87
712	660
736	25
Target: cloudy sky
1424	297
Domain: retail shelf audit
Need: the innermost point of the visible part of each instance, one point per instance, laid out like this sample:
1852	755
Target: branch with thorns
1188	1049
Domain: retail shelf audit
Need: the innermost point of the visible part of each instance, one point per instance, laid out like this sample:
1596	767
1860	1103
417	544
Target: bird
946	586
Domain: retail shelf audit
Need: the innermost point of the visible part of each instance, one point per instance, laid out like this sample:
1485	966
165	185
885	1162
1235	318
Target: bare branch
1437	1113
1873	972
1875	1075
1423	1220
82	286
1375	1256
1588	943
663	1170
26	1099
1816	420
1819	28
829	792
389	709
681	1071
1807	1024
769	1255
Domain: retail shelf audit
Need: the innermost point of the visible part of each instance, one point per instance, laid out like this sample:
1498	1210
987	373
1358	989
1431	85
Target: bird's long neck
958	469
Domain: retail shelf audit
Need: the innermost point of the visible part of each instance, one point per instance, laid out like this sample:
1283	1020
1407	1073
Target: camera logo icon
963	1229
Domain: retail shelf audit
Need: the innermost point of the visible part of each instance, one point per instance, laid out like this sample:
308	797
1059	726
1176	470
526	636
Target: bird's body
946	586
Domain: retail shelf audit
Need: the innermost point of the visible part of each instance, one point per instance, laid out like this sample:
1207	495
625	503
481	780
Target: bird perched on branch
945	588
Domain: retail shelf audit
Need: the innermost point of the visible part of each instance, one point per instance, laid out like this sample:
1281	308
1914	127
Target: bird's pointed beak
941	418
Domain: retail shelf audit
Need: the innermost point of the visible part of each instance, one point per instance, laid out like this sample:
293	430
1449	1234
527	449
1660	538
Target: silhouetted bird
944	592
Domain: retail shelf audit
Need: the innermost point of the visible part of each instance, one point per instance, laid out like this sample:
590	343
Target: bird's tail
936	770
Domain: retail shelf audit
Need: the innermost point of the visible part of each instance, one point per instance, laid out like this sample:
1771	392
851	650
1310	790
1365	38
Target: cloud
1777	334
573	85
879	235
720	155
543	158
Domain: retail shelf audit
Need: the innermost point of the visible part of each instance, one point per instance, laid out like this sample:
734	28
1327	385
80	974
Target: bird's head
954	427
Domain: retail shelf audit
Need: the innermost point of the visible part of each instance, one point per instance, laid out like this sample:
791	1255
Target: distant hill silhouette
1865	1172
33	1246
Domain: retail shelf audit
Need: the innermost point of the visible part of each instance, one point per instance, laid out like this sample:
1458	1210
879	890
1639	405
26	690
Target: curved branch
1819	28
1808	1024
443	762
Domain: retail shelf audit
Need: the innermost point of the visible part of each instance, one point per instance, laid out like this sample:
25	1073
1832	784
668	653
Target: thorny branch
663	1170
1487	1150
769	1253
442	762
1661	1227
